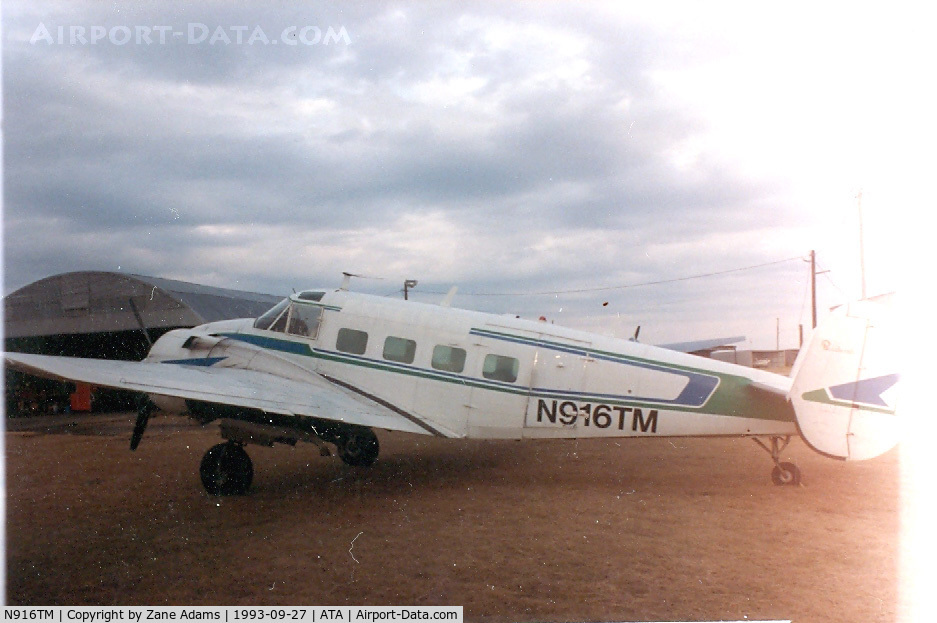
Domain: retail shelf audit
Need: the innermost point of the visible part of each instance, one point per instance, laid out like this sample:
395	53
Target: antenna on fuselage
407	284
446	302
635	337
346	280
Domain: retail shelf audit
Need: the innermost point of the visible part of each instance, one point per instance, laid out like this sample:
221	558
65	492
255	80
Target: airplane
328	366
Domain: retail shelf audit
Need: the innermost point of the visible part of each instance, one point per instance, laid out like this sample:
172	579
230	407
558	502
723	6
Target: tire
359	448
785	474
226	469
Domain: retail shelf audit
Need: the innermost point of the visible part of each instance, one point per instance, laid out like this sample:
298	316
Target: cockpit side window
269	317
304	320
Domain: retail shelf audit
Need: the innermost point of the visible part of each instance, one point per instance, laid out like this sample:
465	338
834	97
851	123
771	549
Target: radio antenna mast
861	244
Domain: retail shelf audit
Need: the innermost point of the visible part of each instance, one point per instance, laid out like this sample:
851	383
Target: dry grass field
649	529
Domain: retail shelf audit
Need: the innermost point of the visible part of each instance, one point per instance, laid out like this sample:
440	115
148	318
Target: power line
830	279
623	287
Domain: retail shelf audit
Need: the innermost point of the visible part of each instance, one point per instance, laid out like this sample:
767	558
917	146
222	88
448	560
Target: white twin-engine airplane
330	366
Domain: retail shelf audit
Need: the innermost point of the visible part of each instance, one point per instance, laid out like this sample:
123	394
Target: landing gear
358	447
226	469
783	473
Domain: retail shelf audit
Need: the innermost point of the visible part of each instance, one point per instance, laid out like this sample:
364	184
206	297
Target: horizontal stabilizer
701	345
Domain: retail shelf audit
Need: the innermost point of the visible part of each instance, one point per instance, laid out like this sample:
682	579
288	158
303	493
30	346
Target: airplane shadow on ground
453	468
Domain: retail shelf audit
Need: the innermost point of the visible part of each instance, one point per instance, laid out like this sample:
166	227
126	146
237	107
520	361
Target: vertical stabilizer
845	382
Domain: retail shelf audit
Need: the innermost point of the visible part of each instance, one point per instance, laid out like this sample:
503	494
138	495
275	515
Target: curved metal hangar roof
100	302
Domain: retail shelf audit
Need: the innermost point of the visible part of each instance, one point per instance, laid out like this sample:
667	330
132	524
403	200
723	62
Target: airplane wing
316	397
700	345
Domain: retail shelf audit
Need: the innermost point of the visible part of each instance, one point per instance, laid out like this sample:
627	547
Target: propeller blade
143	418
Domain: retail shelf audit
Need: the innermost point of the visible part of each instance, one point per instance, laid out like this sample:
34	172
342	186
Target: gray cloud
521	147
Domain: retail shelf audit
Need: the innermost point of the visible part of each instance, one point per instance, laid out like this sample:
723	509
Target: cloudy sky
538	151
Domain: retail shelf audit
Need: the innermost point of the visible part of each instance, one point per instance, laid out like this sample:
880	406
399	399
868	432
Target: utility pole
409	283
813	288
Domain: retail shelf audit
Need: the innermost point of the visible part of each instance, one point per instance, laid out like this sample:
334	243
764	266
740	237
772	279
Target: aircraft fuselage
459	373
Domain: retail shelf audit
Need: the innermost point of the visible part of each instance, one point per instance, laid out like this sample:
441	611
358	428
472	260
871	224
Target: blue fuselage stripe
698	390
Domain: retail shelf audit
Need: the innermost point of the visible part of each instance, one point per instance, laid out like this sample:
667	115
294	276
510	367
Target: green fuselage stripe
735	395
822	396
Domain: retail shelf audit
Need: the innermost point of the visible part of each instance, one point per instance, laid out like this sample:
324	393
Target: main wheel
226	469
359	447
785	474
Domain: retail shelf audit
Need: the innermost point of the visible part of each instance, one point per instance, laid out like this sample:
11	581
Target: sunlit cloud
505	148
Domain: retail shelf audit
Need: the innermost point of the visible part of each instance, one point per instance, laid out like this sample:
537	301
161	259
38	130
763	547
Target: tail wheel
785	474
359	447
226	469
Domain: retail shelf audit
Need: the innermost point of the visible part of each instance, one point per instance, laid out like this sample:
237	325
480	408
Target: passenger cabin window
498	368
351	341
448	358
399	349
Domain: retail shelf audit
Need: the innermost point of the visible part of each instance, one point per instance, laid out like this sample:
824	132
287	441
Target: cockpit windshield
268	318
293	317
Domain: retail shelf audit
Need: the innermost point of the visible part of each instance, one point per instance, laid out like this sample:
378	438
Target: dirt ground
649	529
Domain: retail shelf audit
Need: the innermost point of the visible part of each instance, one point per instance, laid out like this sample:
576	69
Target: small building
108	315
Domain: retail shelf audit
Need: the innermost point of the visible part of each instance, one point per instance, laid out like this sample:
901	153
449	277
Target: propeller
144	408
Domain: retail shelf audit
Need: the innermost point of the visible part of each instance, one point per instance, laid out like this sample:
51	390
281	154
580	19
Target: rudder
845	382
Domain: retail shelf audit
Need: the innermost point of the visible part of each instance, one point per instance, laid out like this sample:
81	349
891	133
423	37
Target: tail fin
844	389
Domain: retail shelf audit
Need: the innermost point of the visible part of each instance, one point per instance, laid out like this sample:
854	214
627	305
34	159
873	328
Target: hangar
110	315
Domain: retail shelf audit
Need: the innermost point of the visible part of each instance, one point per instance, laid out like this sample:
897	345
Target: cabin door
499	396
558	380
